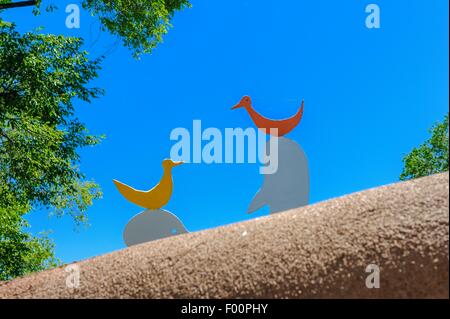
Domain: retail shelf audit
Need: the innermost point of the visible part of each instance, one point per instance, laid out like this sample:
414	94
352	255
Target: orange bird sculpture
283	126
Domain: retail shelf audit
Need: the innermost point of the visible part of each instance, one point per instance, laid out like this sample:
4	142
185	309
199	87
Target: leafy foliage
140	23
40	77
20	252
431	157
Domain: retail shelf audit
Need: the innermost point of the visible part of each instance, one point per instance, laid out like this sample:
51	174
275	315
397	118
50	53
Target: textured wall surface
318	251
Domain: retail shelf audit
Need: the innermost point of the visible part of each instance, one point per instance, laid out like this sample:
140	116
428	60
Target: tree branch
18	4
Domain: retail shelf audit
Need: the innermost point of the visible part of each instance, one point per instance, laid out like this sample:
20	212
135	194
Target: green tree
40	77
140	24
20	252
431	157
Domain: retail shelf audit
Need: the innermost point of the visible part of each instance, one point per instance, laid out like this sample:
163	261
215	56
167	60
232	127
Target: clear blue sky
370	96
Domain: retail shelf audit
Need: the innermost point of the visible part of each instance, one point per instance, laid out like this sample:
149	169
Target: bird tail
299	114
258	202
123	188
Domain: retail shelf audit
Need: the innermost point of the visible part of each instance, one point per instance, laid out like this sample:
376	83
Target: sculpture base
152	225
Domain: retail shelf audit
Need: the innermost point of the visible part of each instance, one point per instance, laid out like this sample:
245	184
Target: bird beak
237	106
177	163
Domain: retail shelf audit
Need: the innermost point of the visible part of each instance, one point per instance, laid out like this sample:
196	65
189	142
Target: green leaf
42	79
431	157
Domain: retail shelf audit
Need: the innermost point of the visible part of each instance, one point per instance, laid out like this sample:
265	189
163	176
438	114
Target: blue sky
370	96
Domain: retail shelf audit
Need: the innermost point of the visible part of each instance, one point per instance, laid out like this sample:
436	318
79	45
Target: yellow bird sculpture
155	198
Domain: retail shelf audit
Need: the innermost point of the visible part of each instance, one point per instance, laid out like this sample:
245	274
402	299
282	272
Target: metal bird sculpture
282	127
156	197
